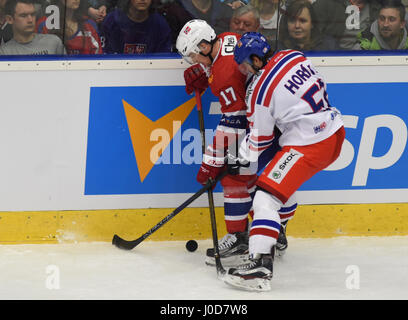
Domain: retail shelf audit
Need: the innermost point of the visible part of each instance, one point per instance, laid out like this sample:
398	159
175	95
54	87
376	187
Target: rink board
73	168
310	221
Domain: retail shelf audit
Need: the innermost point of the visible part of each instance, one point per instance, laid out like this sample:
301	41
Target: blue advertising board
146	140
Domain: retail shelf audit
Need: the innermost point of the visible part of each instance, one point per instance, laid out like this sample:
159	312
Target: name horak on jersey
301	75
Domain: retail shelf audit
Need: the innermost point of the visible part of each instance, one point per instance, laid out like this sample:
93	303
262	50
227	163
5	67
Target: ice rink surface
345	268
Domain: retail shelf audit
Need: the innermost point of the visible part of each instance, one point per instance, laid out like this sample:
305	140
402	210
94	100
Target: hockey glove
196	78
206	172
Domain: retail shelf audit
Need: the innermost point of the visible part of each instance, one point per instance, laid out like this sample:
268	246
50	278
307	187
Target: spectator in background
389	32
135	28
175	15
269	17
112	5
235	4
97	11
298	29
405	4
21	14
244	19
40	6
6	32
345	19
78	33
288	2
214	12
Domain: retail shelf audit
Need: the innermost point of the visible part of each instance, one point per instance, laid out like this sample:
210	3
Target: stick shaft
178	209
211	206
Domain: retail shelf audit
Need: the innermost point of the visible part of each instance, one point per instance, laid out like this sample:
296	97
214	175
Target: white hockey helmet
191	35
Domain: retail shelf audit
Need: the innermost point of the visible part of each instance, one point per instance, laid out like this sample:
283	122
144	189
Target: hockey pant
283	175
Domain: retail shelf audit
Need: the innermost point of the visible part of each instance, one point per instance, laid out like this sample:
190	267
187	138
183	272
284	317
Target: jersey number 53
316	96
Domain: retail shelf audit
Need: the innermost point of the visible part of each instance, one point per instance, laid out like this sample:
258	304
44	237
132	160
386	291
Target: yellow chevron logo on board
150	138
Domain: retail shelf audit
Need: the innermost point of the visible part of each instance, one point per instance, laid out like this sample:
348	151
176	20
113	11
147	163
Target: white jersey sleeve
259	137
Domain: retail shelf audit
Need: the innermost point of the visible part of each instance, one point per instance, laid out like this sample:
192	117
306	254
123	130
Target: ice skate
282	242
233	250
255	275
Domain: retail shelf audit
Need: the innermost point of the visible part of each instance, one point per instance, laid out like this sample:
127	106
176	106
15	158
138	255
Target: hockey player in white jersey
286	91
198	43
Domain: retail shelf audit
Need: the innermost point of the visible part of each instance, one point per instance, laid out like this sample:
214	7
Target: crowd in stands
151	26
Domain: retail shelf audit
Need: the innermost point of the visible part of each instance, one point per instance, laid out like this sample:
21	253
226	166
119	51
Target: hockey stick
218	265
129	245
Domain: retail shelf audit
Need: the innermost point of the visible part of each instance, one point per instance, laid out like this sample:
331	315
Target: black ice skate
282	242
255	275
233	250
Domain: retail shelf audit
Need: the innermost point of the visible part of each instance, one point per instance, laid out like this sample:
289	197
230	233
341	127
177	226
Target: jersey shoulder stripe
277	66
274	60
279	76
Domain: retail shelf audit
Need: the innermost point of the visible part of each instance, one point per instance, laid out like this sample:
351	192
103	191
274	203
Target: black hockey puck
191	245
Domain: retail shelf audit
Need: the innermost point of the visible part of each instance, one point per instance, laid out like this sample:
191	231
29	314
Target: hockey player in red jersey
287	92
214	66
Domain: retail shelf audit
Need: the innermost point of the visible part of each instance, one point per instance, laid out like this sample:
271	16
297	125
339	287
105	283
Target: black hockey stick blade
124	244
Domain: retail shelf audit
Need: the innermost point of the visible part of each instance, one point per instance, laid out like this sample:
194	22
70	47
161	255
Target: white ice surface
311	269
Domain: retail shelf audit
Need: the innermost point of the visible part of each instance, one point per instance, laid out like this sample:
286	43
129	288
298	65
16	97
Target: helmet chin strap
257	69
209	54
